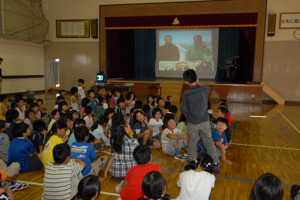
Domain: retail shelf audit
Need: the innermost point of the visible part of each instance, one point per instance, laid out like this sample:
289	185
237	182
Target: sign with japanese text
289	20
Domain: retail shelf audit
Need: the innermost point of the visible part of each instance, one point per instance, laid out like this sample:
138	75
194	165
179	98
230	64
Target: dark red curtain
120	54
185	20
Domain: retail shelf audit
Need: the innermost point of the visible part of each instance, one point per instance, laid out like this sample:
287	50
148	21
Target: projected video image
178	50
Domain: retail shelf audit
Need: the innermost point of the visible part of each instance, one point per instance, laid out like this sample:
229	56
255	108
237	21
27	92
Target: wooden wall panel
282	68
184	8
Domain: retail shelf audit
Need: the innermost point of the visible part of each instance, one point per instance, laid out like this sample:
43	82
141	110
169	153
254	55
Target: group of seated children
93	122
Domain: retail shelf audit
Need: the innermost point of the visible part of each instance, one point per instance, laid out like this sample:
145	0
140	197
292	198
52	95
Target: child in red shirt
131	188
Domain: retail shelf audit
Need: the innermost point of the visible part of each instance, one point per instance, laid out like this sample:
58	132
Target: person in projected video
169	51
197	50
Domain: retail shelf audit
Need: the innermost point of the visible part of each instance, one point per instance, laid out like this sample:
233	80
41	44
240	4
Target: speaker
94	28
271	25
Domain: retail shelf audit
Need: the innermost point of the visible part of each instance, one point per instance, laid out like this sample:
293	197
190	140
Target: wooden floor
260	145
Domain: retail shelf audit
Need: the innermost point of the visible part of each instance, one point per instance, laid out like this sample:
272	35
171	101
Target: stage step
273	94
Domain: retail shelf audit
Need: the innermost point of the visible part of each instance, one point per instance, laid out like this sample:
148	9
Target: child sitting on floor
130	102
197	181
143	130
57	136
21	150
173	140
157	123
20	108
99	131
121	106
131	188
86	152
219	139
88	118
154	186
93	101
223	112
11	118
84	103
78	122
122	147
55	116
4	142
89	188
30	117
62	177
38	136
182	125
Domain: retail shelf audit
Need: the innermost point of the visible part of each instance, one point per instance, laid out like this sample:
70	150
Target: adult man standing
197	50
169	51
1	60
194	106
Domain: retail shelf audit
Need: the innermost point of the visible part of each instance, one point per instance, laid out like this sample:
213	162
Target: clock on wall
297	34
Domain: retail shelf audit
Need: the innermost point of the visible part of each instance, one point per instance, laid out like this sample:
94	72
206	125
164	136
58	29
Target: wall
79	57
77	60
21	58
281	54
280	71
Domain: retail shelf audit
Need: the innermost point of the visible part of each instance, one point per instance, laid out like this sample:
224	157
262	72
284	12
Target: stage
174	87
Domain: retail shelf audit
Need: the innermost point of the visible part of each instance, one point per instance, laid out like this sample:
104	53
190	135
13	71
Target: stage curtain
136	22
145	54
120	54
228	46
246	53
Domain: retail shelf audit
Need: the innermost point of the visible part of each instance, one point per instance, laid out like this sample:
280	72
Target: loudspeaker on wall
271	24
94	28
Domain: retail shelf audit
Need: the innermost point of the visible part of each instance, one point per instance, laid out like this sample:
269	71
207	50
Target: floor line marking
31	183
283	130
288	121
227	177
106	152
262	146
41	184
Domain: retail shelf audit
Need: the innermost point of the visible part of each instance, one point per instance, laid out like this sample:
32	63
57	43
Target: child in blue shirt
21	150
94	103
86	152
219	138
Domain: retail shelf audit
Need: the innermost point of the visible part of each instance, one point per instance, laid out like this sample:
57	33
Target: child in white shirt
197	181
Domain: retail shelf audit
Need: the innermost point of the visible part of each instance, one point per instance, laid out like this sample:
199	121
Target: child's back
48	149
85	152
62	177
195	185
19	151
135	175
57	179
37	139
4	142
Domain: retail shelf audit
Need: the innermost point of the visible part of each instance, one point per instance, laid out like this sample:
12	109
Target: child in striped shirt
62	177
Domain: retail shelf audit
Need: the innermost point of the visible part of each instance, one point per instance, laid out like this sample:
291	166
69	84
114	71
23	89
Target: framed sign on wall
289	20
73	28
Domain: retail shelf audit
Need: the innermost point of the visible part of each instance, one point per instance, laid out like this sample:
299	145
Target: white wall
21	58
281	6
82	9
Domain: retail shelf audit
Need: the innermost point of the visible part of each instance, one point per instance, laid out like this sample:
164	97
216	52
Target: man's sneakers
181	157
216	168
15	186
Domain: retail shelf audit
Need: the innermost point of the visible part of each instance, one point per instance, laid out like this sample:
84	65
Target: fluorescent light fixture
257	116
56	60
